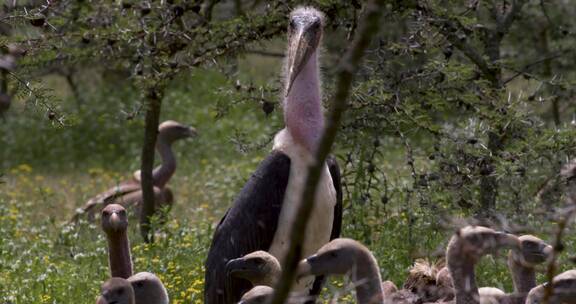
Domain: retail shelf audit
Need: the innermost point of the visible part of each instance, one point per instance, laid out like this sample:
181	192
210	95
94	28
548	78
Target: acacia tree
470	113
154	41
477	94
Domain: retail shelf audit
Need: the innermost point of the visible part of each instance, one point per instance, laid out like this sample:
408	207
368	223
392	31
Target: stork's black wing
337	224
335	174
249	225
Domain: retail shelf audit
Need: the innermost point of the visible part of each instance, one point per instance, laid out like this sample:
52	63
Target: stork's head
304	35
171	131
259	267
116	290
148	288
114	219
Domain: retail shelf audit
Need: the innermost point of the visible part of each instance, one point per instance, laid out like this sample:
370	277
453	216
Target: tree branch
264	53
527	67
345	76
508	19
40	98
451	29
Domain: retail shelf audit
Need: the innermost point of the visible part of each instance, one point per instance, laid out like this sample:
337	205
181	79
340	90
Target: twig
345	76
527	67
450	29
265	53
40	99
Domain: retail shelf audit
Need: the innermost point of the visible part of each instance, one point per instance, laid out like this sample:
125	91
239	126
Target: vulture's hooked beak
304	269
236	266
115	222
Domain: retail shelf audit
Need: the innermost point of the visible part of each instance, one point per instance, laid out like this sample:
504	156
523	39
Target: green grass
51	171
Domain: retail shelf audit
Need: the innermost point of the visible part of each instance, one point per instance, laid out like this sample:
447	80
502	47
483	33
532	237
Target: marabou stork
262	214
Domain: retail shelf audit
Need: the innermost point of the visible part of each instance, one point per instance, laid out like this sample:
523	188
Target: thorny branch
52	113
345	76
452	30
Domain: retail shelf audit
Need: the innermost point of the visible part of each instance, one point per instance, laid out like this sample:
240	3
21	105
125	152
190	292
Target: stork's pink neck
164	172
303	106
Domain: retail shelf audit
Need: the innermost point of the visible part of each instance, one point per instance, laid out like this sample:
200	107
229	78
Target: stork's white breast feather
321	220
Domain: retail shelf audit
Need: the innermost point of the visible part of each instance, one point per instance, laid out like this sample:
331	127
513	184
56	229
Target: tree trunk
492	43
153	106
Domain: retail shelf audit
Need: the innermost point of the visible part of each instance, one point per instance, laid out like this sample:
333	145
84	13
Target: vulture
522	261
347	256
258	267
146	287
563	290
117	291
130	192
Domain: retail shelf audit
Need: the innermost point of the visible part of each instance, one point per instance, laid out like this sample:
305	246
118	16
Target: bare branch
265	53
345	76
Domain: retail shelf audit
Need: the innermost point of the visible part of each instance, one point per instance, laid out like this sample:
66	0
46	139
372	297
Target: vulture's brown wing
107	197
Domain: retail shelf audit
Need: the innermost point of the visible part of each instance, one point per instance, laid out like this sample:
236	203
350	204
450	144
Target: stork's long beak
303	42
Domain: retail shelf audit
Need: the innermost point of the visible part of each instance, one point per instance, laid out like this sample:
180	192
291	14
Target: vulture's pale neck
164	172
366	277
119	254
464	280
303	106
267	280
524	278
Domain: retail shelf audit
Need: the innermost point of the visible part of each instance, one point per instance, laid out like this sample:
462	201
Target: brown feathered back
421	279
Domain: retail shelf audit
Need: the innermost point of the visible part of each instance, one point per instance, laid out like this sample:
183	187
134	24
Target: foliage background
416	147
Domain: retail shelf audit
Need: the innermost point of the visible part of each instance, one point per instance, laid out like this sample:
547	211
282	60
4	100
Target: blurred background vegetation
463	112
